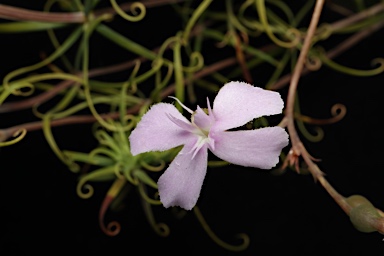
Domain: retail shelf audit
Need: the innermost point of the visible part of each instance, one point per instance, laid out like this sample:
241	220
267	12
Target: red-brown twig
298	149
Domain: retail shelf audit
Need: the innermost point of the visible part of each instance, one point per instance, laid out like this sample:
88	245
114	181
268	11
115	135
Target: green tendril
284	8
20	134
113	228
235	248
143	177
195	16
279	69
88	158
197	63
105	139
138	9
118	171
160	228
319	135
153	168
58	52
161	84
125	42
352	71
254	24
234	20
103	151
102	174
248	49
144	195
261	10
55	148
30	26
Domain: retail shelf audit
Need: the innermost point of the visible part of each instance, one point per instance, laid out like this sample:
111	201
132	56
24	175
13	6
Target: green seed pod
363	214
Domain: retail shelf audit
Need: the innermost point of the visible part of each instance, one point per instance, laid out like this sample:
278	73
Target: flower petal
181	183
156	132
238	103
258	148
202	120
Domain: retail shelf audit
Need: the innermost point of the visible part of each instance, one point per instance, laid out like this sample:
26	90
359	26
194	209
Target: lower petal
258	148
181	183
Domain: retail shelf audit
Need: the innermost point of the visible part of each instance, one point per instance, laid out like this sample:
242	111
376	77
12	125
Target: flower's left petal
181	183
238	103
157	132
258	148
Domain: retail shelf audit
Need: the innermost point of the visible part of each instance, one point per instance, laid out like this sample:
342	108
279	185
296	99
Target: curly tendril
195	16
57	53
103	151
81	186
323	32
20	134
254	24
47	130
351	71
261	10
234	20
118	171
313	63
153	168
113	228
235	248
85	190
160	228
338	111
197	63
318	136
138	10
144	195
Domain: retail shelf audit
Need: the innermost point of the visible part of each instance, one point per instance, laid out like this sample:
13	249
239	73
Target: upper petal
238	103
181	183
157	132
202	120
258	148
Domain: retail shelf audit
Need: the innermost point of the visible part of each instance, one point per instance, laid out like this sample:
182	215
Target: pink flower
163	127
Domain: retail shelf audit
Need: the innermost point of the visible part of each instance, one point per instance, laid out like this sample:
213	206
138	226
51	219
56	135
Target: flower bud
363	215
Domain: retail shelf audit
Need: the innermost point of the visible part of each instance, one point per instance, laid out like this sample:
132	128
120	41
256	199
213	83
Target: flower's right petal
238	103
258	148
181	183
157	132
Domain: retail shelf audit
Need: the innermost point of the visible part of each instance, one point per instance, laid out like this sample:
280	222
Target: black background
288	214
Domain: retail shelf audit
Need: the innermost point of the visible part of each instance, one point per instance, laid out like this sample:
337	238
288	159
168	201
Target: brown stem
16	13
333	53
80	119
21	14
357	17
45	96
297	146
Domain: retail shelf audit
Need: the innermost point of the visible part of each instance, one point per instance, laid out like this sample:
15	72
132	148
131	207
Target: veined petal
258	148
157	132
181	183
238	103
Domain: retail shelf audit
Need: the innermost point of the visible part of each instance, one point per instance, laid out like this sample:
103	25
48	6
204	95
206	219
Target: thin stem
333	53
16	13
297	146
